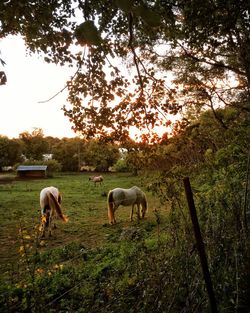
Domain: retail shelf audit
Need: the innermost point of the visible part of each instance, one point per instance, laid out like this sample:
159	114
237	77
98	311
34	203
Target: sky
30	80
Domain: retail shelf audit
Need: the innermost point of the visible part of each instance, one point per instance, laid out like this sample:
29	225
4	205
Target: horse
126	197
96	179
50	203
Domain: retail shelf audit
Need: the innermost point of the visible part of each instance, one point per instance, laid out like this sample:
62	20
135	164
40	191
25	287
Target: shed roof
32	168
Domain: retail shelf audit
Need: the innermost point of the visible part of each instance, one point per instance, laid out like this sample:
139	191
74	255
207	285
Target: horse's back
123	196
44	194
140	194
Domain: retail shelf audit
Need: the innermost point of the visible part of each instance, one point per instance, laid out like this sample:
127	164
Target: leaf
125	5
149	16
87	34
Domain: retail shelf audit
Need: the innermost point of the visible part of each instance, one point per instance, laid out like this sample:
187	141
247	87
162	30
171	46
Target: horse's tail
111	207
59	198
58	207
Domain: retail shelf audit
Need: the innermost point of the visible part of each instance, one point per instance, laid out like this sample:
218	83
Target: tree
203	44
101	155
10	151
68	152
35	144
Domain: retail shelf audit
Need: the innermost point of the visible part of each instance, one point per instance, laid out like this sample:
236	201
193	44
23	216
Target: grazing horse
96	179
133	196
50	203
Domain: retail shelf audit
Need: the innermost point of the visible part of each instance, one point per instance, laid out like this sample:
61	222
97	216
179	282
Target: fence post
245	208
200	245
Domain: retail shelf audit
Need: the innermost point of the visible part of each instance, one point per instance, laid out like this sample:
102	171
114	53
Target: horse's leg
50	226
114	209
138	212
132	213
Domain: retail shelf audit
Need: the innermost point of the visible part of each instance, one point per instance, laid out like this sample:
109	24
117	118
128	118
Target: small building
32	171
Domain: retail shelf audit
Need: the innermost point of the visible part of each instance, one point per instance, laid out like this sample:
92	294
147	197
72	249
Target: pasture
84	203
90	266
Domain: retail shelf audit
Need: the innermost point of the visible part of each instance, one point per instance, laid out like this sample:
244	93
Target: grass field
83	203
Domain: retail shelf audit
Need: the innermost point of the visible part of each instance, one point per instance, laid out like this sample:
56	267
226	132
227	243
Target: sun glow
30	80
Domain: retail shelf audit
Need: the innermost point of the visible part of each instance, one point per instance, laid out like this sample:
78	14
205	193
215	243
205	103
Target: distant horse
96	179
50	203
133	196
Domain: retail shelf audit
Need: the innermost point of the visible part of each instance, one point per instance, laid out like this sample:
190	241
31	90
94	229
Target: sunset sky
30	80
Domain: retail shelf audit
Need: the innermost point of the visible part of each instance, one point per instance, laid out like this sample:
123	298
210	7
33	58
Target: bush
121	166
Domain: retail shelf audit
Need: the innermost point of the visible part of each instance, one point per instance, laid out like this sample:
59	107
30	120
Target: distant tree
51	141
10	151
68	152
101	155
34	143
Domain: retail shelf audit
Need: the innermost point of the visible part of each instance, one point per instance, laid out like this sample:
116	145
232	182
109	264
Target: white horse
96	179
126	197
50	203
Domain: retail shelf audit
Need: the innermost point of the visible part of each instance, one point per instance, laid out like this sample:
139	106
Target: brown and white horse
50	203
126	197
96	179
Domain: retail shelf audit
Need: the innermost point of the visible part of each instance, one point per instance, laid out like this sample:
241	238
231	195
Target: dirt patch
6	179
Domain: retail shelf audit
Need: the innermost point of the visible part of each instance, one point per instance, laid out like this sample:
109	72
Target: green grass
84	204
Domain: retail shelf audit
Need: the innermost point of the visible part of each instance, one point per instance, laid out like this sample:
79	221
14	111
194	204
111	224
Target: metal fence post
200	245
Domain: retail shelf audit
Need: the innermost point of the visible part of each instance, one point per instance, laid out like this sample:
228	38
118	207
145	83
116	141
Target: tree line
71	154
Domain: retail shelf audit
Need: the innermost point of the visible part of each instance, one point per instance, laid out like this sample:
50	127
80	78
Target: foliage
34	144
182	58
53	165
10	151
101	155
67	152
121	166
71	153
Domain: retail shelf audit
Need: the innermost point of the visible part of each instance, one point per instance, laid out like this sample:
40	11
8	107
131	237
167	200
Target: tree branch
213	63
78	69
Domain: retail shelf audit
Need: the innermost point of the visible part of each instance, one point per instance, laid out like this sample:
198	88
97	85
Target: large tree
10	151
35	145
202	46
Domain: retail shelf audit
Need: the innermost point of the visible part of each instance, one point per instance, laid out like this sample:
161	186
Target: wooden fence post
200	245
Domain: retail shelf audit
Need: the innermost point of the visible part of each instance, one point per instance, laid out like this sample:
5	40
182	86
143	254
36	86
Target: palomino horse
50	202
133	196
96	179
